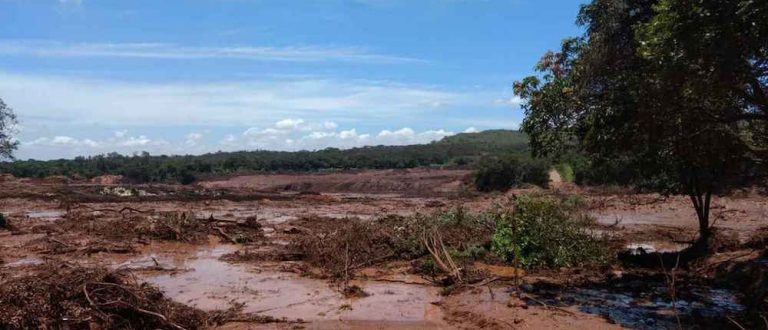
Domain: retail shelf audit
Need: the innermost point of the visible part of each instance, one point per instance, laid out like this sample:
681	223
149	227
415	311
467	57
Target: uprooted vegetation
443	246
350	244
184	226
64	296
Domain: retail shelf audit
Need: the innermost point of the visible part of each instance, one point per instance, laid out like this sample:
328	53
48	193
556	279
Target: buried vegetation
66	296
541	249
538	231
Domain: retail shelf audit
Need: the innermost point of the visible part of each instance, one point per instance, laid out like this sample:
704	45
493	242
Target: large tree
673	90
8	143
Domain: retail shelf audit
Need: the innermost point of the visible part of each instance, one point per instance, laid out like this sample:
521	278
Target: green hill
458	150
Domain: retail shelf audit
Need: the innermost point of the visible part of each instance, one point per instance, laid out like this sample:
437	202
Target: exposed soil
231	242
407	181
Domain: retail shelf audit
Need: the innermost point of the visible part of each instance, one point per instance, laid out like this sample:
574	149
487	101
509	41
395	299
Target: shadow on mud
643	301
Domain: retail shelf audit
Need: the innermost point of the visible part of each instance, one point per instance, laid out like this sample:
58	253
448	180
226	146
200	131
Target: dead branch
735	323
129	209
224	235
671	279
97	307
434	244
525	296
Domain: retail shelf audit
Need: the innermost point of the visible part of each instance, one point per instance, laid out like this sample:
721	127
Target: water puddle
636	218
279	219
211	284
654	247
647	313
46	214
27	261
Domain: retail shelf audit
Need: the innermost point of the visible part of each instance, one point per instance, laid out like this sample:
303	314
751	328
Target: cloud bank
149	50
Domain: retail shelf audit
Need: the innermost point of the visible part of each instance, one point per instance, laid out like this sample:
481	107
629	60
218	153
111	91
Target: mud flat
182	244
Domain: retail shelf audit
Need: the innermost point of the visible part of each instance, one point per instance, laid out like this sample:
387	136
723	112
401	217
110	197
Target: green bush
549	232
504	172
566	172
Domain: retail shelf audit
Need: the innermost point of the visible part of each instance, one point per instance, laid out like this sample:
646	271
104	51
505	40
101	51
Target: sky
88	77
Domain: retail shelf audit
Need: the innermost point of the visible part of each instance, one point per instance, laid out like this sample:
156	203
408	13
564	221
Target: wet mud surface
197	273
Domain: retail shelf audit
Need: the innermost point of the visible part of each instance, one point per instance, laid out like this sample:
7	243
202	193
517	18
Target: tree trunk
701	203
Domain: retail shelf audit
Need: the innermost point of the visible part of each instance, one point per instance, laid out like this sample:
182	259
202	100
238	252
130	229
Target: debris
60	295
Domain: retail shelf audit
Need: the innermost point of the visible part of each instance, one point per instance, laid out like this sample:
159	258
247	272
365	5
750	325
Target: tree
673	91
7	129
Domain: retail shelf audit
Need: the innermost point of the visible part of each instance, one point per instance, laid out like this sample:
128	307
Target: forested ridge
458	150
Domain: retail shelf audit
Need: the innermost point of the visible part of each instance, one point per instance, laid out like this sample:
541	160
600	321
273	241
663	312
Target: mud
195	274
407	181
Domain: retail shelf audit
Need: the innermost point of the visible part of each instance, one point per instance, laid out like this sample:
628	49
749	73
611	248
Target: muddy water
46	214
210	284
26	261
631	311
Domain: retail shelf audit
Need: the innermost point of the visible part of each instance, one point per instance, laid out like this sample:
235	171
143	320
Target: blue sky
188	77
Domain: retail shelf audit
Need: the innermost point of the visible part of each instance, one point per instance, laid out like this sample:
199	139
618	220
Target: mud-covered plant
548	232
350	244
346	247
175	226
63	296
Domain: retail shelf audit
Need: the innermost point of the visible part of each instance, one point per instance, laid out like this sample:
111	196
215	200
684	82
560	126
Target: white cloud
514	101
90	143
471	130
135	141
120	133
72	100
330	125
401	133
178	52
192	139
348	134
229	140
63	140
289	123
253	138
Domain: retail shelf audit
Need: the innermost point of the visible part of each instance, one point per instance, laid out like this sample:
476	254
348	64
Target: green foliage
566	172
549	232
666	95
461	149
507	171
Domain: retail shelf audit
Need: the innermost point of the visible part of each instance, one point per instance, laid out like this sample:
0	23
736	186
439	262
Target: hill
458	150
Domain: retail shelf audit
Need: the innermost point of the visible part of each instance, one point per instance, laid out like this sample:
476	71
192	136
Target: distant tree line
458	150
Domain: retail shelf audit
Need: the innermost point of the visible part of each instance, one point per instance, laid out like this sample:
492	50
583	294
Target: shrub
548	232
504	172
566	172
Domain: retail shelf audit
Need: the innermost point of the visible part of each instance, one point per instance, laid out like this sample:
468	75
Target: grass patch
566	172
